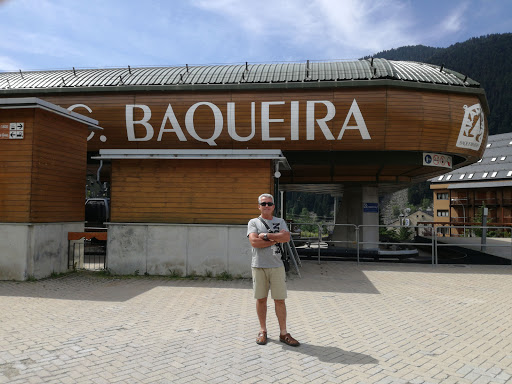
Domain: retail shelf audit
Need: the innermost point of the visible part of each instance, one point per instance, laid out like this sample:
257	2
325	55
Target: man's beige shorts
265	278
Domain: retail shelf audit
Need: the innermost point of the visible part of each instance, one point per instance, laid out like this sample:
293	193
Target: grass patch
175	273
224	276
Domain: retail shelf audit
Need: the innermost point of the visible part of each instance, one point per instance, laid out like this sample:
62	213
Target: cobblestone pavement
372	323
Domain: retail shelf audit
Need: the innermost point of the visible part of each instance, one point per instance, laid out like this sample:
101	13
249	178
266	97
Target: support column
370	217
352	211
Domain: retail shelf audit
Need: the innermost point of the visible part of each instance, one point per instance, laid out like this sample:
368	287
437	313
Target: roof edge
479	92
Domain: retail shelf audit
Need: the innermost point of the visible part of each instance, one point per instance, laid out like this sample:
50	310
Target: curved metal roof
371	69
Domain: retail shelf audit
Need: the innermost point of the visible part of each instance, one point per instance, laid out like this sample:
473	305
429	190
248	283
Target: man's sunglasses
264	204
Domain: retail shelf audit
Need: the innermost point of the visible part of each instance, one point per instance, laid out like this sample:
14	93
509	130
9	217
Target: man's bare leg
261	310
281	315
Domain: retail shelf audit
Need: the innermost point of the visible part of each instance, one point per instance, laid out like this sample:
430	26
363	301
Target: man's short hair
265	195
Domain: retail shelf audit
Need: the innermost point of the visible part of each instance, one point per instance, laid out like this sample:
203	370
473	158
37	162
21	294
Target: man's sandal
262	338
289	340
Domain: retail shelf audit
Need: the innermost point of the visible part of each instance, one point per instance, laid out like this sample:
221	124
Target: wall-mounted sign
371	207
297	120
437	160
15	131
472	128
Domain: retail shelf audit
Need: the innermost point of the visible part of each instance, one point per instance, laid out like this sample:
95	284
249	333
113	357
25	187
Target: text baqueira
311	122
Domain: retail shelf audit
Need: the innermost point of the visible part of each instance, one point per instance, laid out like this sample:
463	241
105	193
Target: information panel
14	131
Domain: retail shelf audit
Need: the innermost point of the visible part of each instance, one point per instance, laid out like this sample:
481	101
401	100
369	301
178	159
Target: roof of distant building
495	165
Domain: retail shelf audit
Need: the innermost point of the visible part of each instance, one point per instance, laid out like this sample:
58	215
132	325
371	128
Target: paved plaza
368	323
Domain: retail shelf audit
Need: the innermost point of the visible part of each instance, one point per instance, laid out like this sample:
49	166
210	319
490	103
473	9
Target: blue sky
61	34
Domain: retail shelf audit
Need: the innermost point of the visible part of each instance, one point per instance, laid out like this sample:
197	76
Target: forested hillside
485	59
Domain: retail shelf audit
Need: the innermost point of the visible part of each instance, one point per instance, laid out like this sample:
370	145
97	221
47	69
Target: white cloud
97	33
454	21
339	28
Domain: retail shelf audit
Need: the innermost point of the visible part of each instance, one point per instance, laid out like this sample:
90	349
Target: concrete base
178	249
34	250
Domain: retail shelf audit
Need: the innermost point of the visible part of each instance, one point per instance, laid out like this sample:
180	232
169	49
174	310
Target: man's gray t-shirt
268	257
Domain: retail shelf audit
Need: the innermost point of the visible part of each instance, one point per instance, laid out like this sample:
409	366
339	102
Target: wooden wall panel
59	169
397	119
188	191
15	169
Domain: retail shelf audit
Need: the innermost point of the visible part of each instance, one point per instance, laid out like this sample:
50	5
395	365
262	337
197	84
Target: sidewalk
373	323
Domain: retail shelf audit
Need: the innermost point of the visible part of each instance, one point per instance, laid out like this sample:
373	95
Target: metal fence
87	250
420	243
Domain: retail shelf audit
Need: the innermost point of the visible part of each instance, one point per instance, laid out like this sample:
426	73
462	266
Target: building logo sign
472	128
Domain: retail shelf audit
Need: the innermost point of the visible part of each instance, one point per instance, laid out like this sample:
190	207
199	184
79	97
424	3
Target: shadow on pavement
332	277
332	355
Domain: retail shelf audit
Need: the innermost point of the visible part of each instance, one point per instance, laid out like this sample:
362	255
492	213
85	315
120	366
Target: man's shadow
332	355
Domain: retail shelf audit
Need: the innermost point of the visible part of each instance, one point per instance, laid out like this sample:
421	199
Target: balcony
486	201
460	201
506	201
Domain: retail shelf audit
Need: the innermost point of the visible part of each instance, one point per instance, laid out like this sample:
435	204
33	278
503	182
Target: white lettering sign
360	124
310	119
266	120
169	115
189	122
130	123
231	123
312	122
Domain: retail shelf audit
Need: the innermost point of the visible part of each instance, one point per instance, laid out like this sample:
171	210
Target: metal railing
307	239
428	237
477	238
87	250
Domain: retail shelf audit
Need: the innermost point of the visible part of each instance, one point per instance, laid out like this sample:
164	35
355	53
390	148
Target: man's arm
283	236
257	241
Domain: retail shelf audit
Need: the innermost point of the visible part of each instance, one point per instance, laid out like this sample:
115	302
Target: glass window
494	174
444	231
489	145
494	159
485	175
448	177
442	196
479	161
442	213
470	176
462	176
509	173
503	158
440	178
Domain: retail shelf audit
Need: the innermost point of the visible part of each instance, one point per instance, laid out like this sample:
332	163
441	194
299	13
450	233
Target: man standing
267	267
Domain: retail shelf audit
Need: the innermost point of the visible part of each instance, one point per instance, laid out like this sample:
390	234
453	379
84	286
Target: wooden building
460	195
43	154
189	149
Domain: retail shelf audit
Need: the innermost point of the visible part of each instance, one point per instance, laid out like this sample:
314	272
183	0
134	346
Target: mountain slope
485	59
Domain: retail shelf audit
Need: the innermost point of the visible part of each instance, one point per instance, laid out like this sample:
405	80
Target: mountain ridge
485	59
